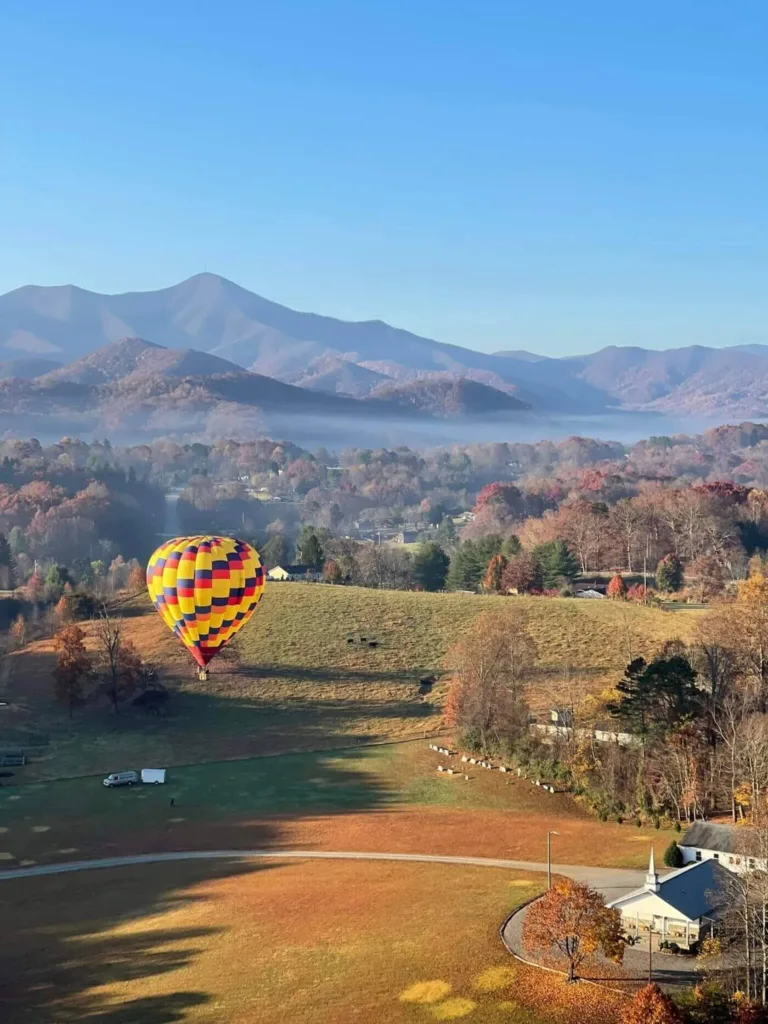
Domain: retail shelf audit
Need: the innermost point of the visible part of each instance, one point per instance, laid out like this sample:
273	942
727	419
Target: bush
657	822
673	947
678	827
638	822
619	820
673	855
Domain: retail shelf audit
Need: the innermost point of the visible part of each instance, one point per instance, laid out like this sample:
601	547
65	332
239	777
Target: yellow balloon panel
205	589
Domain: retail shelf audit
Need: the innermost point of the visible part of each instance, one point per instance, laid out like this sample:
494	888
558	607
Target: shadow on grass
70	937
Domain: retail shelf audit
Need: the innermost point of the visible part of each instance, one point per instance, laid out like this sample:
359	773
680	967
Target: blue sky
556	176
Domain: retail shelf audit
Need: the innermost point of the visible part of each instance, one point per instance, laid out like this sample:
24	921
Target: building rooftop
703	835
694	891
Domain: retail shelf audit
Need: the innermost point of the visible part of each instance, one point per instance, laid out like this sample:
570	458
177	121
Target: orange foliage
651	1006
573	920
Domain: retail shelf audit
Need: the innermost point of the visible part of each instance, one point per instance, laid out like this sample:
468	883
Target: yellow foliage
494	978
754	590
425	992
454	1008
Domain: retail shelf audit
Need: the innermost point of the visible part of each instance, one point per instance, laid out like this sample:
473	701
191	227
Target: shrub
657	822
673	855
638	822
678	827
617	588
619	820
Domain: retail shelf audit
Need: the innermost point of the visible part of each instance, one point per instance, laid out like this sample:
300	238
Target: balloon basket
202	675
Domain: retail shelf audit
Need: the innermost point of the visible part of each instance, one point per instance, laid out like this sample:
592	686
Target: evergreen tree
558	565
275	551
669	574
309	550
430	566
673	856
8	576
657	696
469	562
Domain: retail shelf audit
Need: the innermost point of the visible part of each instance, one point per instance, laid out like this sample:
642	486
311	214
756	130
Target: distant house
723	843
682	906
406	537
285	573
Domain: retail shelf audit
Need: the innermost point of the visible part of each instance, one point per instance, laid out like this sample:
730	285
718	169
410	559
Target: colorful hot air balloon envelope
205	589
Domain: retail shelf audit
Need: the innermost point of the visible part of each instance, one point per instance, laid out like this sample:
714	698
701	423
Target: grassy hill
294	682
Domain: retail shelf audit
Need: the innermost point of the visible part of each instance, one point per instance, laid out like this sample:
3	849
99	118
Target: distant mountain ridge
208	325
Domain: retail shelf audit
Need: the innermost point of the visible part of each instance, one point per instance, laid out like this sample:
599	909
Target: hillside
297	684
131	356
449	397
336	376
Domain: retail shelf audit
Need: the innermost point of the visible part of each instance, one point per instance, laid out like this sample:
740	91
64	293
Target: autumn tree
650	1005
73	667
617	588
19	631
332	572
572	919
495	574
522	574
489	666
137	579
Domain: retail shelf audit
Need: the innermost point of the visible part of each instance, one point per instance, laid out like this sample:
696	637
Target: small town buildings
681	907
727	845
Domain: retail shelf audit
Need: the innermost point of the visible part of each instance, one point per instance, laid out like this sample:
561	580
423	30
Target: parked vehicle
122	779
154	775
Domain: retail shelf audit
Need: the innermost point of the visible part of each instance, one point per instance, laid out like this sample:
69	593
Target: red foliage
617	588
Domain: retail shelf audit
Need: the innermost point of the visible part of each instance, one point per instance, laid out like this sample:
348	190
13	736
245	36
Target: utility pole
650	952
549	856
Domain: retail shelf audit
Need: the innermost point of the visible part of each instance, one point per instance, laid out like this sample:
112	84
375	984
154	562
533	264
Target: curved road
602	878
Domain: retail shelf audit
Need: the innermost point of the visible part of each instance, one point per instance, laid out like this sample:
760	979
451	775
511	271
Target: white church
680	907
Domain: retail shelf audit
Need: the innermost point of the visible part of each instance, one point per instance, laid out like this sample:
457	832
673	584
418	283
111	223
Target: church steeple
652	879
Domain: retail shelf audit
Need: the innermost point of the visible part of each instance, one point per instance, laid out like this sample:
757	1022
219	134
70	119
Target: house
406	536
681	907
283	573
723	843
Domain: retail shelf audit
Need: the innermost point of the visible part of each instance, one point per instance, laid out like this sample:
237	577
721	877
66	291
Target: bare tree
119	663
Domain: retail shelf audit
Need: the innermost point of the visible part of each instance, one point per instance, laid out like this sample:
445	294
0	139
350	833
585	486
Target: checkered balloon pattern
205	589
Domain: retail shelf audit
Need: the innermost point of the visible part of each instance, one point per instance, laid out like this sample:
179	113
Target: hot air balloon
205	589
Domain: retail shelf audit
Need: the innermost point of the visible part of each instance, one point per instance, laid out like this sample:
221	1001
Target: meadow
337	942
293	681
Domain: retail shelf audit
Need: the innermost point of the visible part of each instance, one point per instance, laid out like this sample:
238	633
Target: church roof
694	891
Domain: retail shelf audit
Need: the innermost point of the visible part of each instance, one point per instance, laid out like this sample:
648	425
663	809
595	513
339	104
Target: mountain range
67	350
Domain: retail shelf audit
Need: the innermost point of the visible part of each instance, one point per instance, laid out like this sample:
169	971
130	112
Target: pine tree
617	588
430	567
669	574
558	565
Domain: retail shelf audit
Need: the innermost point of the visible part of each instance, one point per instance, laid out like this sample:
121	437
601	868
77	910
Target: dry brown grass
302	942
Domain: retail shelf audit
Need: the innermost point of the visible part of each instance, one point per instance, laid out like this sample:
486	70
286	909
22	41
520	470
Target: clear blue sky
556	175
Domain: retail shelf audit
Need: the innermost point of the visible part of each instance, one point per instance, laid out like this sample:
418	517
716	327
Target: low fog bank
336	433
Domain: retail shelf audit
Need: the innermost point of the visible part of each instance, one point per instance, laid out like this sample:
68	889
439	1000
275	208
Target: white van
154	775
122	779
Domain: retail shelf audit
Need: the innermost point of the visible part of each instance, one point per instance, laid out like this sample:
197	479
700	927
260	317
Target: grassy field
387	798
295	683
337	942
